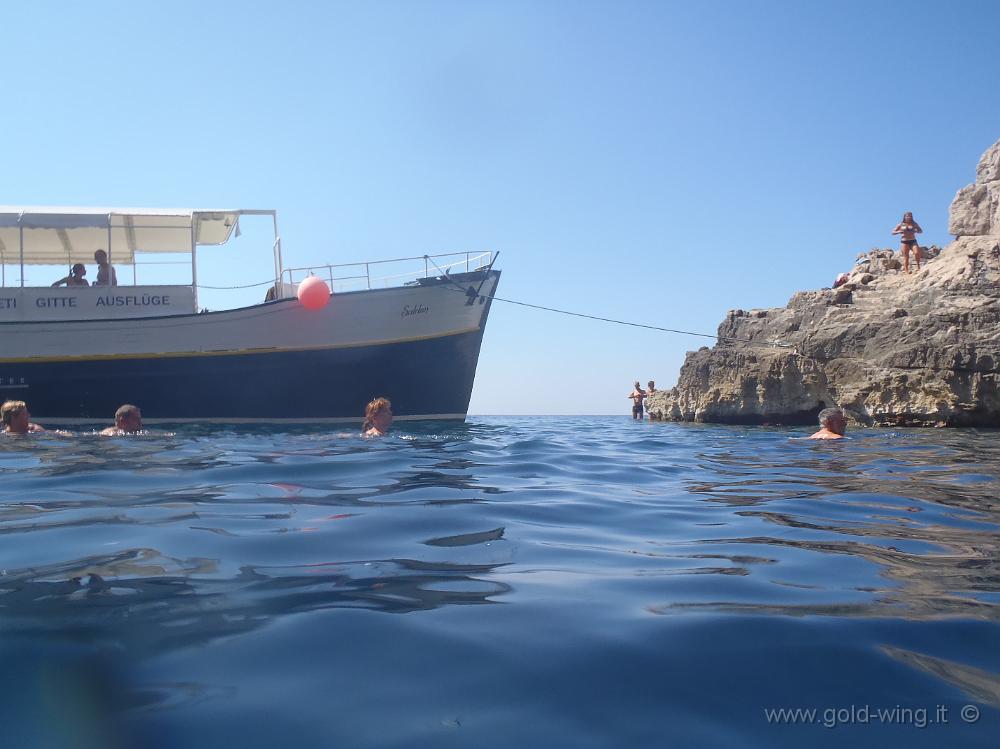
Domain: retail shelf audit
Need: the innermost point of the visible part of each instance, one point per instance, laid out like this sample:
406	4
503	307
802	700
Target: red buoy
313	293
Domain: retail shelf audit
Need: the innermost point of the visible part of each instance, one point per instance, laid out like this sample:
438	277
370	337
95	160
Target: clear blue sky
659	162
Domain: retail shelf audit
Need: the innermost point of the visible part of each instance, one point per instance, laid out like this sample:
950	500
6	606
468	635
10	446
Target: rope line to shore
471	293
595	317
636	324
624	322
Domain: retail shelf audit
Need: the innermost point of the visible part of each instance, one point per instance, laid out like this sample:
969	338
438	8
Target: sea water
578	582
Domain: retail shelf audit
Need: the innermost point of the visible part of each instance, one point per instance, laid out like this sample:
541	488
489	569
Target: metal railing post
194	261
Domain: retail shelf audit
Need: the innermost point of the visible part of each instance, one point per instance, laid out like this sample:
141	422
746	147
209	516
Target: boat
409	329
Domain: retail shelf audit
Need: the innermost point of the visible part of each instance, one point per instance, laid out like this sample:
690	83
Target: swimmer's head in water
12	409
128	418
15	415
378	414
833	419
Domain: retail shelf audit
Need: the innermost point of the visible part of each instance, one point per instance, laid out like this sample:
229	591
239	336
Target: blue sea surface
551	582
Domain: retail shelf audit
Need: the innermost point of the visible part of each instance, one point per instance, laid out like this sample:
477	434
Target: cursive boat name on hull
414	309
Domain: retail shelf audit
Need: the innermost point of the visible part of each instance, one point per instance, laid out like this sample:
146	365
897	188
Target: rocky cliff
890	348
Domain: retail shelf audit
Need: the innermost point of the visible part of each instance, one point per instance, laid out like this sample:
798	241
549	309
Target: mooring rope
633	324
471	293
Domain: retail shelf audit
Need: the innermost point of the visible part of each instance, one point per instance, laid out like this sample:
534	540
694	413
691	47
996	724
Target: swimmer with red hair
378	418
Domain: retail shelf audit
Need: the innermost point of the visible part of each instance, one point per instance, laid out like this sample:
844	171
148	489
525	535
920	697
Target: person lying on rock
909	230
833	424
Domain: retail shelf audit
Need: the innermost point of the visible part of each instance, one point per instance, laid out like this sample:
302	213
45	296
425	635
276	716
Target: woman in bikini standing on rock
909	229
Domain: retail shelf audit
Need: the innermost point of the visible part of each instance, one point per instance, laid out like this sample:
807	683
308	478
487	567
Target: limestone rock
975	211
843	295
919	350
988	169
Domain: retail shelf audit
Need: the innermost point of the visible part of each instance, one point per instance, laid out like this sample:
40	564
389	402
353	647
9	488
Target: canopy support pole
111	268
279	265
21	233
194	263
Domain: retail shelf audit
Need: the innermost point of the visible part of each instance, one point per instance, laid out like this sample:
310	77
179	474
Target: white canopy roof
72	235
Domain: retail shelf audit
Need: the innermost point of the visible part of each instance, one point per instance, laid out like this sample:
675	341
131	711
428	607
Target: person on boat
75	277
106	275
909	229
128	420
17	419
636	396
378	418
833	424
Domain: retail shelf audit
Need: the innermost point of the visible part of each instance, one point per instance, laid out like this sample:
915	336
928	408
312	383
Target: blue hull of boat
429	378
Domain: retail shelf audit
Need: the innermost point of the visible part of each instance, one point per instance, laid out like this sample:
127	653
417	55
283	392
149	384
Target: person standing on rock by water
636	396
833	424
909	230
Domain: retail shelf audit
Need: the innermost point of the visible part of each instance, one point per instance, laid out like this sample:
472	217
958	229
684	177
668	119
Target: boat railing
380	274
